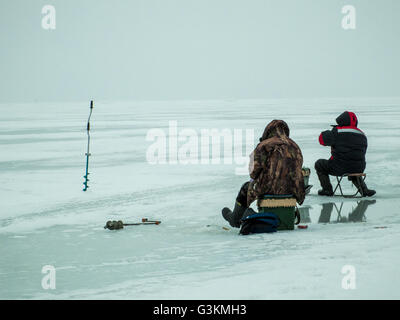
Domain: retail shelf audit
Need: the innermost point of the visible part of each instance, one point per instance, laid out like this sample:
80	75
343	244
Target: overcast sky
198	49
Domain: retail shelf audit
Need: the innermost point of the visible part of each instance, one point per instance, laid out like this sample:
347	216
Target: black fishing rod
87	152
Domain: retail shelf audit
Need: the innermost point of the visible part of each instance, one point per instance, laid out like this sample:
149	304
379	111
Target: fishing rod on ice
87	152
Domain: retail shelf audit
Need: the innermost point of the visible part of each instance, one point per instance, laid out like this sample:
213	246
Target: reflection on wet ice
334	213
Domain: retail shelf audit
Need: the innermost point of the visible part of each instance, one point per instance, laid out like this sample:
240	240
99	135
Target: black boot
327	189
362	187
234	217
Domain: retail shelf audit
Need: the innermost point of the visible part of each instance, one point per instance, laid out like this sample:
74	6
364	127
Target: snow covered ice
46	218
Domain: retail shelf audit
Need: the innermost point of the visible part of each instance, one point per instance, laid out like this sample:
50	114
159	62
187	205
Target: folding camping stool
359	177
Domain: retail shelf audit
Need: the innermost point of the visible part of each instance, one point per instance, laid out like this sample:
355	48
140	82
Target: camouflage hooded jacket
275	165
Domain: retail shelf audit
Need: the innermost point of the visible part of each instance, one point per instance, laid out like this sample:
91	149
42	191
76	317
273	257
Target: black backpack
265	222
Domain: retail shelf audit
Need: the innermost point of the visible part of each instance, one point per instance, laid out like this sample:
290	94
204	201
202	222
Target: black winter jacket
348	144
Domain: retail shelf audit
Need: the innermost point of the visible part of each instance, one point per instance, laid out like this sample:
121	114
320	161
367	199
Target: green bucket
306	175
286	215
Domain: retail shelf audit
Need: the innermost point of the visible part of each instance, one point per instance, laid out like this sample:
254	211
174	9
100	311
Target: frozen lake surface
46	218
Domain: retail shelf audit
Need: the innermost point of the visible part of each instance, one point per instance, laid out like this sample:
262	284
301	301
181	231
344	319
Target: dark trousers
335	168
326	167
241	199
242	195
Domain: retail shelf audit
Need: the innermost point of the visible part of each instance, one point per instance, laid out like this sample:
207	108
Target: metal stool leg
338	185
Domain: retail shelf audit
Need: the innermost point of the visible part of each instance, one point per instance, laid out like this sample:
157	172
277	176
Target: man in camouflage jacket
275	169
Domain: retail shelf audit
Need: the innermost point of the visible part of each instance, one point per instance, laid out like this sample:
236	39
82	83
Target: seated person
348	147
275	169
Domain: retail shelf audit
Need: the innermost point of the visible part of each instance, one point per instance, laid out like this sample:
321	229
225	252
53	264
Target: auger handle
153	221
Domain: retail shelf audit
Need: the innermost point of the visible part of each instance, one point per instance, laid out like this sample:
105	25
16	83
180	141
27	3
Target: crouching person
275	177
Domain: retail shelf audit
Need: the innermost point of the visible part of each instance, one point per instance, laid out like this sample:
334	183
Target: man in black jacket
348	147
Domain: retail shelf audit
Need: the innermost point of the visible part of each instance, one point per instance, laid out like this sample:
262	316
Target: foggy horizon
149	50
